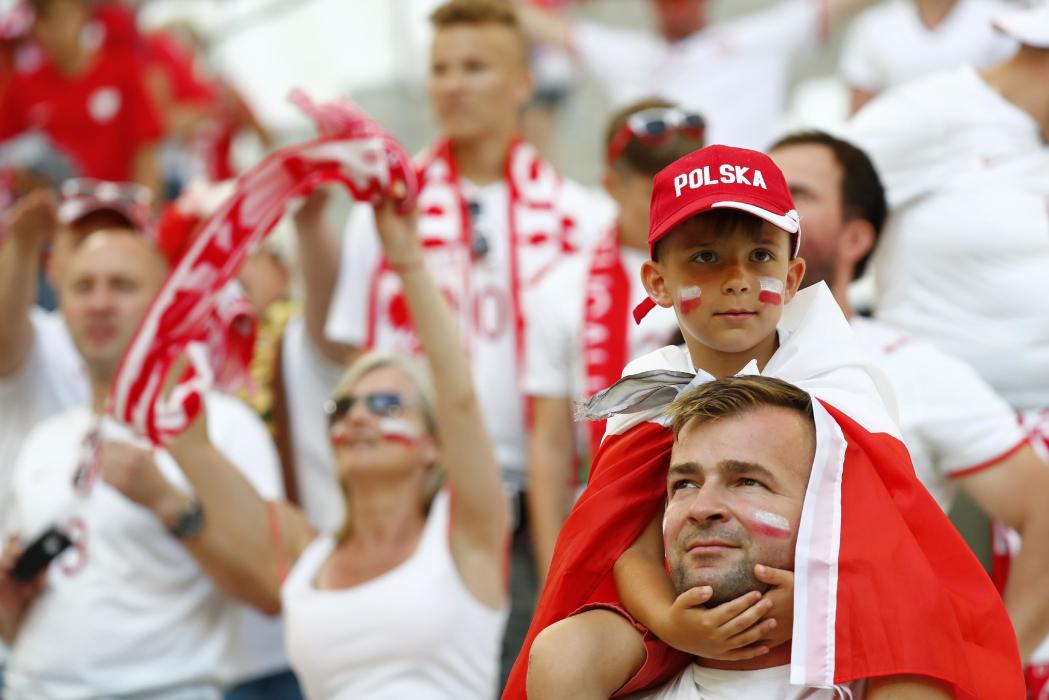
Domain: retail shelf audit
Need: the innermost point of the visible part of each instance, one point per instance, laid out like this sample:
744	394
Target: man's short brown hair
477	12
729	397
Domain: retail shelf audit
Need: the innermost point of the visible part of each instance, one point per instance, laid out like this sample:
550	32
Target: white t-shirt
734	73
126	609
700	683
555	359
872	61
51	379
490	340
965	252
309	379
413	632
953	423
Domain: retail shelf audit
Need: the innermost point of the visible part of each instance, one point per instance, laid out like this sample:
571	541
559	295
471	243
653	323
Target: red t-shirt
100	118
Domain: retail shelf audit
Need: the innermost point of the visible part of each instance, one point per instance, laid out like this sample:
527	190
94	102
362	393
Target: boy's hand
781	595
730	632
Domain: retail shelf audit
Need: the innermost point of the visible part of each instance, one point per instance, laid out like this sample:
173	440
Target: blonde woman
408	599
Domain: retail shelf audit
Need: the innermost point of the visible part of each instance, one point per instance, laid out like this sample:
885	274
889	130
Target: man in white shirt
494	218
959	432
739	471
127	610
582	331
927	36
735	73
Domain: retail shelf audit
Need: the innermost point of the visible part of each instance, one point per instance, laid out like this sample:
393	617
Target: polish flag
884	585
690	298
771	291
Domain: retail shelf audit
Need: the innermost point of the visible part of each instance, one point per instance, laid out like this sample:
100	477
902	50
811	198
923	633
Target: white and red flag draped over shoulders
884	585
351	150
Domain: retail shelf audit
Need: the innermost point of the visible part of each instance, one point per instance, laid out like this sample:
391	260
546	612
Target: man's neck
99	393
777	656
841	295
1024	81
933	12
727	364
482	160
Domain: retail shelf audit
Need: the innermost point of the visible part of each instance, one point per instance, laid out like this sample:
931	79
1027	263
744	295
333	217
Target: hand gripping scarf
351	150
884	585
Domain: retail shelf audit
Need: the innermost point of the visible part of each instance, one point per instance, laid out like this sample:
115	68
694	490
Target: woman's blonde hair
419	376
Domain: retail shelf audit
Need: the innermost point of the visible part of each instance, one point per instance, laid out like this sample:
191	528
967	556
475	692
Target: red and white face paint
770	524
771	290
689	298
399	430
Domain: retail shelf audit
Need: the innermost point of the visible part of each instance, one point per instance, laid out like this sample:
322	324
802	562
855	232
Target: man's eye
750	482
682	484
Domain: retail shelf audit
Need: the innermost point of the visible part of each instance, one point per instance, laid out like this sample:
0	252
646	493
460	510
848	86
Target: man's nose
708	504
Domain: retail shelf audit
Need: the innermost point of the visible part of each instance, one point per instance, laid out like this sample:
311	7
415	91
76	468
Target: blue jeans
279	686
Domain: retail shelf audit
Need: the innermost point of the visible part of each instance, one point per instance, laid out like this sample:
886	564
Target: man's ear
856	241
655	284
795	273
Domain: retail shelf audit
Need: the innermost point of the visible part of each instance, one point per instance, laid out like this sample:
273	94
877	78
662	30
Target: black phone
40	553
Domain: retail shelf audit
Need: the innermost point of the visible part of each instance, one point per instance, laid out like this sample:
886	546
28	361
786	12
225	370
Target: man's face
58	28
735	489
479	79
107	287
814	178
678	19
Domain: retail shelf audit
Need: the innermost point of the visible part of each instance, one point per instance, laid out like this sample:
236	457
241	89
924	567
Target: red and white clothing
412	632
126	610
953	423
579	320
871	62
964	253
699	683
101	117
486	291
704	71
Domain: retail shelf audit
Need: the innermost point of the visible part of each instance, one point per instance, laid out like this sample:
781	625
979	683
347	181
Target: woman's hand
400	240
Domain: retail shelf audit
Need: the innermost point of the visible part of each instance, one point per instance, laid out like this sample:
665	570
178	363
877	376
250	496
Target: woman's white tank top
412	633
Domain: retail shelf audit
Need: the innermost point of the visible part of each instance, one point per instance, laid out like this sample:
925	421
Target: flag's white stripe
816	560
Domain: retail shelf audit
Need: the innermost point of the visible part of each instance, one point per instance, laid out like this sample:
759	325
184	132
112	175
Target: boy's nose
736	281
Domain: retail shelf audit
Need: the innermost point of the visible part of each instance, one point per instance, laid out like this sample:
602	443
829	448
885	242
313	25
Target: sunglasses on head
379	403
655	126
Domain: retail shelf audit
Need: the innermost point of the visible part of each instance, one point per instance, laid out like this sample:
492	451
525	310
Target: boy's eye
762	255
705	256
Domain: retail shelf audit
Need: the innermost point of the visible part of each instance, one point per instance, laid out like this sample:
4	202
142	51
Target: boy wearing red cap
724	237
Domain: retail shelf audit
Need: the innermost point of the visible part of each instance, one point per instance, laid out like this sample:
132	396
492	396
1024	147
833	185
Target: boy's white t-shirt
491	340
126	609
700	683
952	421
706	71
964	254
888	44
555	360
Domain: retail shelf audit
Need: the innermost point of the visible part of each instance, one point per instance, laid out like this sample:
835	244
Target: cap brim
789	222
73	210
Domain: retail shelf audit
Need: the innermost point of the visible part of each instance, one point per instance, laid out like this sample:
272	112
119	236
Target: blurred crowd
345	521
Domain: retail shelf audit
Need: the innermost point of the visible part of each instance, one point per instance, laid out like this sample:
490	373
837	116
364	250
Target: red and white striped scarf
352	150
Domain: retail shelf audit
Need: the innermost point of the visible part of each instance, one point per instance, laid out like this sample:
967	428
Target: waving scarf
884	585
353	151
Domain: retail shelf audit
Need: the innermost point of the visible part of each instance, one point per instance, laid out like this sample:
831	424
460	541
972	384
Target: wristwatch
189	521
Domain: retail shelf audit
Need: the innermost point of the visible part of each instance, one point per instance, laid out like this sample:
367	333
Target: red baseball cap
719	177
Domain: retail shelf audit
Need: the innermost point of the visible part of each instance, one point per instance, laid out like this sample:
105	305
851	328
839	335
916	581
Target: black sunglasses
379	403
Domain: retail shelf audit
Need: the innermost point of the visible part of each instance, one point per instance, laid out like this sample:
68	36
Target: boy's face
727	288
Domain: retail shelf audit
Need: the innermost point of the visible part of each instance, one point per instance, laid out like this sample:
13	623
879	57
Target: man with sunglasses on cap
582	334
494	218
735	73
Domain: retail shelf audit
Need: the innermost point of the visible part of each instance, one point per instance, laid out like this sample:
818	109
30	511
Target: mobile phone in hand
40	553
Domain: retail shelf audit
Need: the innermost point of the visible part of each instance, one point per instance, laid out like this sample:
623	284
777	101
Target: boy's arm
642	582
907	688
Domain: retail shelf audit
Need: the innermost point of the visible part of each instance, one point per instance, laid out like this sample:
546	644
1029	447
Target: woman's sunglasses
379	403
655	126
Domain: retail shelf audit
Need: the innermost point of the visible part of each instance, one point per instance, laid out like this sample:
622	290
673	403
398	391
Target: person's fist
131	471
33	220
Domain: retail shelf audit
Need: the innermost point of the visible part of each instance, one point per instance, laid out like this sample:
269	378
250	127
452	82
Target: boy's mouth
736	314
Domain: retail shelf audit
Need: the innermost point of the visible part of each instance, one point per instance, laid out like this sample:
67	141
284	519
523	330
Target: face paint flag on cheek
771	291
399	430
771	524
690	298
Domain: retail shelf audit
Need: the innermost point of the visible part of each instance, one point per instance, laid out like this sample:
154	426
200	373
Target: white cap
1029	26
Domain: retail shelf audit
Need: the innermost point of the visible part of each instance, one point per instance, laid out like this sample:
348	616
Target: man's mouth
710	546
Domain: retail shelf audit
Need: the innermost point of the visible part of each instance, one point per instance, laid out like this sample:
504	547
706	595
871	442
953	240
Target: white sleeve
964	424
361	254
788	27
241	436
548	345
858	64
619	58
